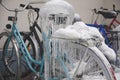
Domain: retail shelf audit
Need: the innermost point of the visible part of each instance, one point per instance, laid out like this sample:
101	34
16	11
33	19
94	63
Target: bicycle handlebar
25	6
30	7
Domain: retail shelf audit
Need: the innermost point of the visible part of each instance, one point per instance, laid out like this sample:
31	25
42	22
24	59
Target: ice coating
57	6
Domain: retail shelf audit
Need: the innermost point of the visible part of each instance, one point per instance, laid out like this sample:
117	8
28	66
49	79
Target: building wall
84	8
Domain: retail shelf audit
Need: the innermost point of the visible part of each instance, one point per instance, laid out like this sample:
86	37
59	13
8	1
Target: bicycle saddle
108	14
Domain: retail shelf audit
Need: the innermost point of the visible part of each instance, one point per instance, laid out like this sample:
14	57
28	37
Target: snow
66	33
55	7
58	8
77	16
80	30
108	52
71	32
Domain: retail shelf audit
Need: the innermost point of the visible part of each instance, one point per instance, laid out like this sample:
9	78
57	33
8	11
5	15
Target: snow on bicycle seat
108	14
66	34
91	31
70	33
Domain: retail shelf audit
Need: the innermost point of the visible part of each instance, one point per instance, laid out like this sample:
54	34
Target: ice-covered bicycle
76	60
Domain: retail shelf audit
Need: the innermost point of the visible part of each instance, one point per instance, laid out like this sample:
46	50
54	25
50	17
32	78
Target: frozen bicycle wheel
74	61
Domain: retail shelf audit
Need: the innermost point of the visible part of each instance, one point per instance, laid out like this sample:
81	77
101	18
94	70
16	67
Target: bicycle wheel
7	75
74	61
11	59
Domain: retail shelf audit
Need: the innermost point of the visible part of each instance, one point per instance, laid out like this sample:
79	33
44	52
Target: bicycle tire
71	55
25	71
8	75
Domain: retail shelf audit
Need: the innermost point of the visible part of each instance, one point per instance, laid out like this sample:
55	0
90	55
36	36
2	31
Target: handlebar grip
28	7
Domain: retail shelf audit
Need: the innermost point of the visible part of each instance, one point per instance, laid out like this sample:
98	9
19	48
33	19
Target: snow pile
66	33
93	32
71	32
79	30
108	52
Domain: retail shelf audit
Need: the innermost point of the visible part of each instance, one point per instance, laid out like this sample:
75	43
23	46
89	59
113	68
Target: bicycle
8	57
61	58
114	20
31	46
106	15
34	28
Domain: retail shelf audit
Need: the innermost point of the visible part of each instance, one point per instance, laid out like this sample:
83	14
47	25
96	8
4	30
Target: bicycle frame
34	31
114	20
16	34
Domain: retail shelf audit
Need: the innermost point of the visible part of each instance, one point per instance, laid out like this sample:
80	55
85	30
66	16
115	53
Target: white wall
84	8
22	18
